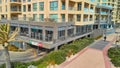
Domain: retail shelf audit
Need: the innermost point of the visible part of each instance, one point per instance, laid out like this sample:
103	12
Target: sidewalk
93	56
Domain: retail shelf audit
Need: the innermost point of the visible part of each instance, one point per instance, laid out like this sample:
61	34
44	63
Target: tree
5	38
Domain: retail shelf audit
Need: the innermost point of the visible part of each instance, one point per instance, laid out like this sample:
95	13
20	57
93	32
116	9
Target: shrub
58	56
114	54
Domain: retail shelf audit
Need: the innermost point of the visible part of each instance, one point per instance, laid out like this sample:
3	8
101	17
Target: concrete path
93	56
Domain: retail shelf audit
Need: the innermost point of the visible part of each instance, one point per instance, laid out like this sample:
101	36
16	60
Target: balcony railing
103	13
91	10
85	19
15	0
91	19
16	10
86	9
57	20
72	8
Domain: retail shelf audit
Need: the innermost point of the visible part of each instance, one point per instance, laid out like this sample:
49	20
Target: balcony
15	1
103	21
103	13
72	9
15	10
86	9
85	19
30	19
91	10
91	19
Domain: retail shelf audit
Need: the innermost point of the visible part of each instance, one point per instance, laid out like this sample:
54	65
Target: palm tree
5	38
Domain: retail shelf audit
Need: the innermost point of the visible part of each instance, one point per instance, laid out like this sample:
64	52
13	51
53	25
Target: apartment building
10	9
118	12
50	23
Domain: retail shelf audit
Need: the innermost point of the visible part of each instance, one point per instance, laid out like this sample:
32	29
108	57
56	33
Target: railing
91	19
91	10
85	19
16	9
15	0
103	13
57	20
72	8
86	9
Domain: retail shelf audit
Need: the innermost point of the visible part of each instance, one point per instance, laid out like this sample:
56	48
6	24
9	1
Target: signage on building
40	44
36	43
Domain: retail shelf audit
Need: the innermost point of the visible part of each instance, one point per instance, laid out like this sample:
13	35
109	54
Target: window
54	17
6	8
29	0
63	17
24	8
24	0
41	17
34	6
54	5
63	5
29	8
34	17
24	17
0	1
78	17
41	6
79	6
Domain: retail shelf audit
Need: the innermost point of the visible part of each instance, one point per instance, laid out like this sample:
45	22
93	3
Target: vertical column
55	34
29	30
66	28
82	5
44	34
67	8
75	18
99	20
82	15
59	11
74	30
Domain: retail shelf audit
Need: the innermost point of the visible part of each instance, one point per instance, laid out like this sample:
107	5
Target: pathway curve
93	56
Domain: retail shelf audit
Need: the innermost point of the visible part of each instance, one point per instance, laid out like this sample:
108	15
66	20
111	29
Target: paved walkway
93	56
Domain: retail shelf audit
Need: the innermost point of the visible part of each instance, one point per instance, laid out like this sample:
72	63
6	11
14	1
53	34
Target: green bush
114	54
58	56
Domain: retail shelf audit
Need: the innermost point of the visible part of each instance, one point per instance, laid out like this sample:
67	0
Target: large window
29	0
78	17
54	17
79	6
24	8
41	6
34	6
41	17
34	17
54	5
63	5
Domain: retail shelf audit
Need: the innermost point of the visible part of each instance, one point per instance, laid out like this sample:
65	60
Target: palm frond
13	35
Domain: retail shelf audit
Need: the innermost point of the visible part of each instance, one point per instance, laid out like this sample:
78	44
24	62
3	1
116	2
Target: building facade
50	23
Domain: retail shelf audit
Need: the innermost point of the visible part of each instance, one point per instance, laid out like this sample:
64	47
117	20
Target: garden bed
114	55
58	56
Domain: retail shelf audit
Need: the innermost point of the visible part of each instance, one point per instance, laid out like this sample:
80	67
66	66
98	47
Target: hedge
58	56
114	55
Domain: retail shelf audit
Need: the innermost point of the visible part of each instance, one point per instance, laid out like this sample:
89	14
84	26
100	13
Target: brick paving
93	56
